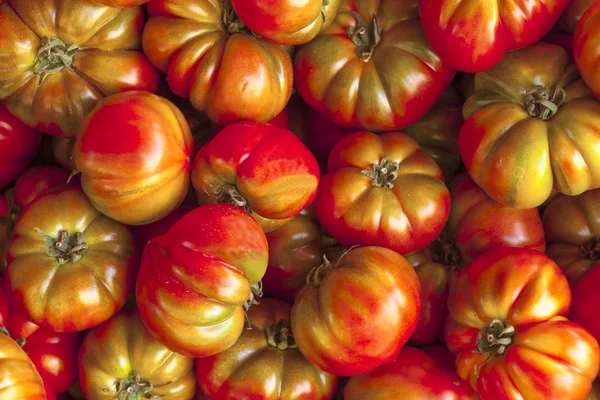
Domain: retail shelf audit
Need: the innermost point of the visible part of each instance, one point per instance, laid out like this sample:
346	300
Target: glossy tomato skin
369	87
225	72
404	218
572	15
264	363
268	170
473	36
506	121
414	375
111	62
20	379
122	350
518	296
196	278
585	301
356	314
62	150
69	291
134	153
18	146
587	47
121	3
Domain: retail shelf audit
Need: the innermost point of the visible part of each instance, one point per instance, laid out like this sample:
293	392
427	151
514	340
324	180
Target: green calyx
53	56
230	194
365	35
256	292
324	9
318	273
67	248
383	174
135	388
543	103
494	340
280	336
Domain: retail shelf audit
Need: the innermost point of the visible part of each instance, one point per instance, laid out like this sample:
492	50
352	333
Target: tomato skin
338	321
81	293
218	249
587	47
20	379
121	3
122	347
595	393
585	301
518	158
111	62
18	146
134	153
572	15
356	96
267	166
354	211
248	369
473	36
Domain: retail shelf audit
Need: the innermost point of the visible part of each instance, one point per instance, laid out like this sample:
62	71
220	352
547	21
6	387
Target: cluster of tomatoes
299	200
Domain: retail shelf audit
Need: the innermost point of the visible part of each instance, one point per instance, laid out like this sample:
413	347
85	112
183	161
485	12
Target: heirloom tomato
572	226
530	126
373	68
595	392
70	268
61	57
586	299
587	47
356	314
473	36
20	380
259	167
134	154
572	15
18	146
211	58
414	375
121	3
383	191
121	360
264	363
197	280
62	150
506	327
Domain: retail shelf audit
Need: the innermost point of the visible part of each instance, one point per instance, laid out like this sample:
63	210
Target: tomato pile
299	200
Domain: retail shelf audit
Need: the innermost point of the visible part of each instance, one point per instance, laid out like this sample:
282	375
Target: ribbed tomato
587	47
20	380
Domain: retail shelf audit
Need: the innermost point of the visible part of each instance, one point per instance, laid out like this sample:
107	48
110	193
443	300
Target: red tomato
473	35
197	279
134	154
586	300
356	314
572	15
587	47
20	380
18	146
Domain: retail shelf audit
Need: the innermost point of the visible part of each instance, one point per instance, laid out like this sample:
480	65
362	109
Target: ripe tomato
587	47
20	380
69	267
120	359
384	191
263	169
531	126
121	3
373	68
506	327
210	58
61	57
586	298
572	15
414	375
356	314
197	279
18	146
473	36
134	153
572	226
264	363
62	151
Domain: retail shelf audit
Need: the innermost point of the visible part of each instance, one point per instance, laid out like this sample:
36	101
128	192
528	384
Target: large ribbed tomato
61	57
586	299
356	314
531	126
197	279
587	47
506	327
20	380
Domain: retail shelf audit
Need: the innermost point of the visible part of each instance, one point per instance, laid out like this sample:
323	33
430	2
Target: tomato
473	36
18	146
356	314
587	47
134	154
261	168
121	3
586	299
323	135
414	375
373	68
572	226
69	267
20	380
294	250
572	15
506	327
62	57
531	126
264	363
382	190
197	279
210	58
120	359
62	150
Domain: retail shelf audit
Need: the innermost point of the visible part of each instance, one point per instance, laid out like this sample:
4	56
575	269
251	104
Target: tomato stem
324	9
543	103
316	274
135	388
365	36
383	174
256	292
280	336
67	248
53	56
230	194
443	250
494	339
591	249
231	21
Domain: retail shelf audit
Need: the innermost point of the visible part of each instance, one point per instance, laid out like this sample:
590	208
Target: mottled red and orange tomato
587	47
